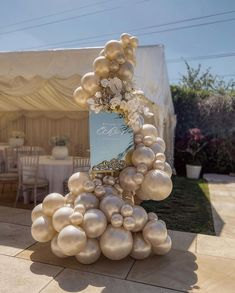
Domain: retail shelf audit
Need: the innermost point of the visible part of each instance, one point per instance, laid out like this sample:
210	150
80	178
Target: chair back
24	150
11	159
37	151
28	168
81	164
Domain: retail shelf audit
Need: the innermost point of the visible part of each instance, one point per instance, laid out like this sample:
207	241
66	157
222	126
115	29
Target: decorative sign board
110	141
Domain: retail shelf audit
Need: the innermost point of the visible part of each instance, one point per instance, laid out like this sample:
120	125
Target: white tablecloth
55	171
2	152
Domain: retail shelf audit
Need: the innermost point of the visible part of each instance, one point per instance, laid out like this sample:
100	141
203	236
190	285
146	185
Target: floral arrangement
59	140
17	134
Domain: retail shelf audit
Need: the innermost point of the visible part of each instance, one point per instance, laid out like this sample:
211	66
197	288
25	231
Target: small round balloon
42	229
37	212
61	218
94	223
141	249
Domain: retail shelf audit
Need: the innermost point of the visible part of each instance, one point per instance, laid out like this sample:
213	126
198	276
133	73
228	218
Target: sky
50	24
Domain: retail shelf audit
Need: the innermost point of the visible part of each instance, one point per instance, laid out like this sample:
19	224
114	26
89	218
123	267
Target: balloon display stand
100	214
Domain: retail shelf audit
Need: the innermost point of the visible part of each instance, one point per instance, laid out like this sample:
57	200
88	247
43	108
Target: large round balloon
81	97
101	66
90	253
140	216
116	243
112	49
141	249
76	182
110	205
42	229
143	155
90	83
126	71
55	247
52	202
37	212
155	232
157	185
126	179
167	169
89	200
163	248
61	218
149	130
94	223
72	240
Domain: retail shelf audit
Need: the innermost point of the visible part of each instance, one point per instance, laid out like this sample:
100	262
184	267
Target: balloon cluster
99	214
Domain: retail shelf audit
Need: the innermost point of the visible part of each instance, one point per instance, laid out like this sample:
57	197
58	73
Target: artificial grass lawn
187	208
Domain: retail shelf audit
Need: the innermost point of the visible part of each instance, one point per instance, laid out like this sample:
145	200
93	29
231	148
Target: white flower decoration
114	102
98	95
104	82
91	101
128	96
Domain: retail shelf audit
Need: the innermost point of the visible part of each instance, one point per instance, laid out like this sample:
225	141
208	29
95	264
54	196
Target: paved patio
197	263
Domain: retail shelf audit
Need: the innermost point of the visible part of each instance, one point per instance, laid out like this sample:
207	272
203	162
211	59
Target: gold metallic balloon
127	210
94	223
129	51
76	218
76	181
134	42
131	59
138	178
72	240
102	53
99	191
148	140
89	200
90	253
52	202
128	157
89	186
140	216
141	249
158	165
149	130
152	216
117	220
138	138
116	243
157	185
80	208
55	248
129	223
90	83
125	39
163	248
81	97
157	148
143	155
42	229
114	66
111	204
167	169
155	232
101	66
37	212
126	71
113	49
120	58
61	218
142	168
126	179
160	157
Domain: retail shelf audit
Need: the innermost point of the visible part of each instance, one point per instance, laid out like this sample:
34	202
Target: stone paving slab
15	216
14	238
183	240
41	252
76	281
23	276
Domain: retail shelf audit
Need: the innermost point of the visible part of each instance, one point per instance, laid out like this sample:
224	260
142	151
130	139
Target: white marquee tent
36	94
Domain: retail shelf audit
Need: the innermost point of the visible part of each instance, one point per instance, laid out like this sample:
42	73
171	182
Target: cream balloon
160	157
89	200
155	232
138	138
129	223
37	212
152	216
118	188
81	97
161	142
143	155
52	202
76	218
134	42
70	198
90	253
97	181
142	168
126	179
127	210
110	190
61	218
72	240
125	39
55	247
149	130
148	140
126	71
76	181
114	66
80	208
89	186
110	180
140	216
113	49
163	248
157	185
42	229
90	83
120	58
101	66
158	165
102	53
141	195
157	148
94	223
167	169
117	220
99	191
138	178
116	243
141	249
110	205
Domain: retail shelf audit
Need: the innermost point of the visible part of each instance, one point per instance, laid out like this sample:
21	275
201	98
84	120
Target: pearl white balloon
97	182
42	229
126	179
157	185
37	212
157	148
70	198
72	240
160	157
76	181
159	165
152	216
143	155
89	200
118	188
76	218
80	208
117	220
163	248
52	202
127	210
110	190
140	216
149	130
148	140
110	180
161	142
142	168
110	205
90	253
94	223
90	83
112	49
138	178
61	218
141	195
167	169
55	248
155	232
129	223
99	191
141	249
116	243
89	186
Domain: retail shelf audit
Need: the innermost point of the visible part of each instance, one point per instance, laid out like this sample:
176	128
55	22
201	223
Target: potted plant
60	150
17	138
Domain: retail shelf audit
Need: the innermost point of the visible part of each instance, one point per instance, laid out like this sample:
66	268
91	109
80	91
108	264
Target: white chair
28	177
37	151
24	150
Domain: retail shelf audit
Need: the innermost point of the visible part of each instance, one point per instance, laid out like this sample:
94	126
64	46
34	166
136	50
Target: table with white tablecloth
55	171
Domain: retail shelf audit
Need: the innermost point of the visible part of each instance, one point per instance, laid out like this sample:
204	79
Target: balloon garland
99	214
